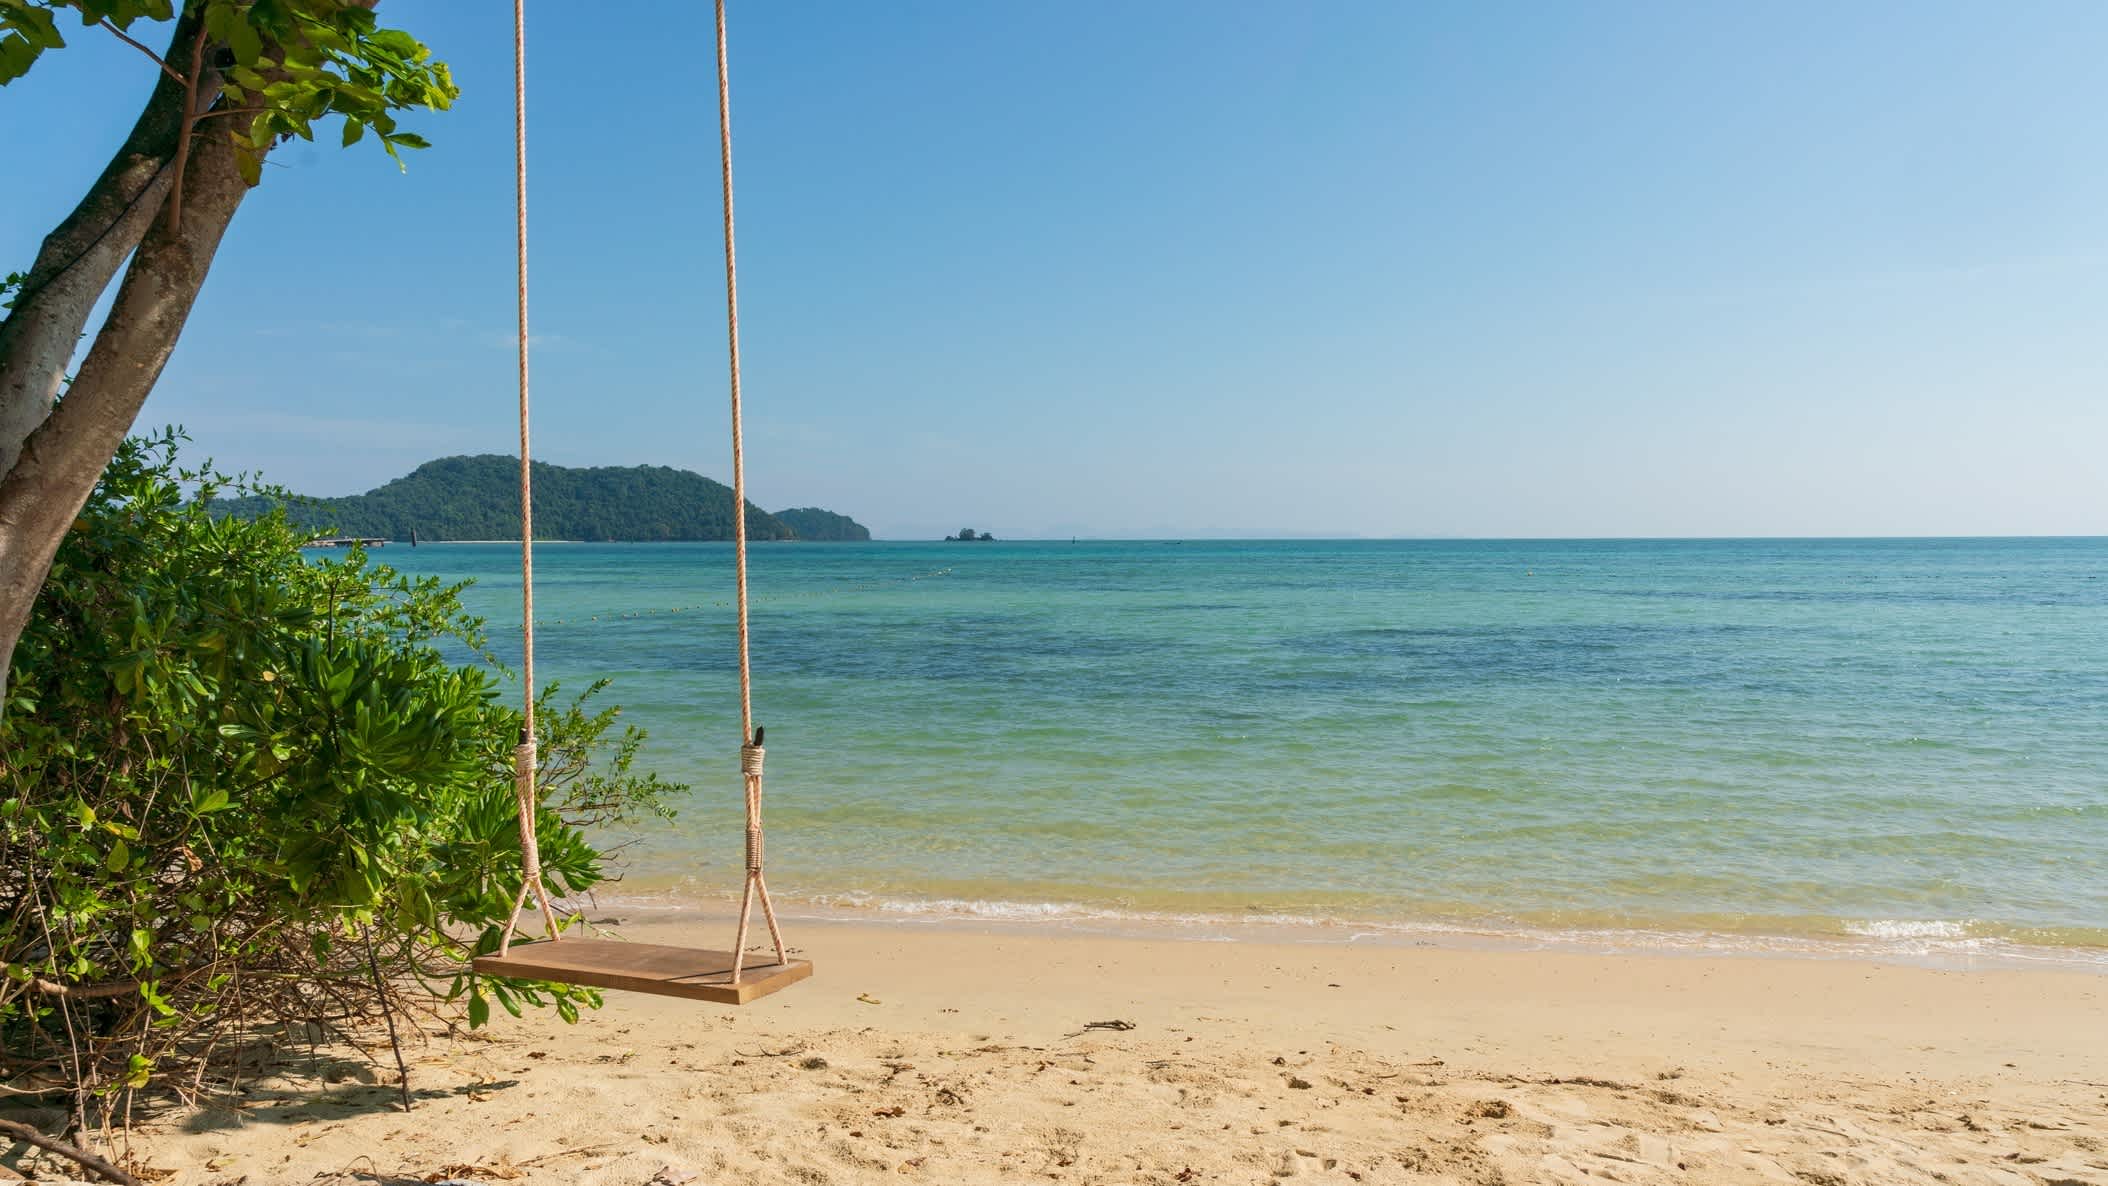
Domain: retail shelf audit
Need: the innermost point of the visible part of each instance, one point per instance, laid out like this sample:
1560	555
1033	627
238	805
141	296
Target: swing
697	974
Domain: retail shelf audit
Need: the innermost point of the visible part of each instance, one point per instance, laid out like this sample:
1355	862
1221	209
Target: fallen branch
85	1159
1114	1024
588	1151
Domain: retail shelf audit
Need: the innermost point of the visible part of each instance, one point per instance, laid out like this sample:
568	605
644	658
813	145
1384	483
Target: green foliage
479	498
230	778
285	64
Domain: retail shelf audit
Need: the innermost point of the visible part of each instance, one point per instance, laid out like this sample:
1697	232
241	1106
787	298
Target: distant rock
968	535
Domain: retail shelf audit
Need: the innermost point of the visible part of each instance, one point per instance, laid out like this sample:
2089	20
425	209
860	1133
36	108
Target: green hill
457	498
815	524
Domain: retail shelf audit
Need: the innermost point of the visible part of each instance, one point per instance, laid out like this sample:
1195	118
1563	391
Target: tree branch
83	1158
190	123
157	59
85	992
395	1043
219	111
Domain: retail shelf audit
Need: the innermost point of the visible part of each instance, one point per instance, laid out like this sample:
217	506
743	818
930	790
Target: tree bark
78	260
63	458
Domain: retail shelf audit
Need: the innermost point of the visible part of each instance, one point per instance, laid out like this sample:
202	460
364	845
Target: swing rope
525	760
751	753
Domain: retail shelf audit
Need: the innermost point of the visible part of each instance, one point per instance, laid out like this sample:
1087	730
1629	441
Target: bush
240	791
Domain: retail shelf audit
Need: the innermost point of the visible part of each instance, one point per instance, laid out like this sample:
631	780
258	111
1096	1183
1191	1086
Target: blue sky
1186	268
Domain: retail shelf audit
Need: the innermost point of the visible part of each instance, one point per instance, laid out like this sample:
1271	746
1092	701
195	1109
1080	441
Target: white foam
1904	928
1004	910
1937	942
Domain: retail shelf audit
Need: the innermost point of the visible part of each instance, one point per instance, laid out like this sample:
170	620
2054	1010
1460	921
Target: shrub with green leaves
240	790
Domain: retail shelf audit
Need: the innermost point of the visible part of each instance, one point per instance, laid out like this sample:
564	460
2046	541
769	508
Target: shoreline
942	1056
1940	946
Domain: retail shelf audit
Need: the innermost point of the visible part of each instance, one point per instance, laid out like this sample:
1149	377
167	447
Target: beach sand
946	1054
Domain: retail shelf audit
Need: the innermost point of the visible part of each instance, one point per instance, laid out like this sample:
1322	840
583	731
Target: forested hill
814	523
457	498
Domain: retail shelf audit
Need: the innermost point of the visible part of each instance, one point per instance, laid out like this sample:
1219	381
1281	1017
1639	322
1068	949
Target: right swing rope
750	750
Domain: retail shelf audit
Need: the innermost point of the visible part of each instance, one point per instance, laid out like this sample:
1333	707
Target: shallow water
1893	742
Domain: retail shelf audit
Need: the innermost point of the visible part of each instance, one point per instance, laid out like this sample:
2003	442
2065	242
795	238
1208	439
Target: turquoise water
1879	741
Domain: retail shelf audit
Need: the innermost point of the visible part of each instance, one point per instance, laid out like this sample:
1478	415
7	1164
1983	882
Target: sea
1894	747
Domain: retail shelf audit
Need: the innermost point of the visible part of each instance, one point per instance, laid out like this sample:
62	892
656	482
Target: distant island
468	498
815	524
967	535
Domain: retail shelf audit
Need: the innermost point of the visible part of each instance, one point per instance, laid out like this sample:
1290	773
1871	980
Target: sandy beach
947	1054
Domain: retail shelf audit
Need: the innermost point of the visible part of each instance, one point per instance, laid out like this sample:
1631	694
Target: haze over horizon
1350	270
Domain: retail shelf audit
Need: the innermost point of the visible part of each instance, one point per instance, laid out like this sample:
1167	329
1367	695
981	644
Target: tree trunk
63	458
79	259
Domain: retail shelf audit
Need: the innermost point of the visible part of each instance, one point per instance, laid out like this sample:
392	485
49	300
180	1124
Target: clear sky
1183	268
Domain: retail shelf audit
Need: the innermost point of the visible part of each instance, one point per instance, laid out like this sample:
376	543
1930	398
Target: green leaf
478	1011
249	161
120	857
353	130
244	40
33	23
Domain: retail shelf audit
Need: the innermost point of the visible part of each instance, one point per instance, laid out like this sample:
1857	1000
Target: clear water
1894	741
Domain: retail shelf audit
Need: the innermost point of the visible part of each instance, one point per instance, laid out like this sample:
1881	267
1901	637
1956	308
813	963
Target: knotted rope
750	751
525	761
750	765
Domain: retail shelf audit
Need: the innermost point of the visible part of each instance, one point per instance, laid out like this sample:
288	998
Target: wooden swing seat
693	973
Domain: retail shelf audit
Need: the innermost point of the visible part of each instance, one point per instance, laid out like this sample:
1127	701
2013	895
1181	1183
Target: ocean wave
1936	942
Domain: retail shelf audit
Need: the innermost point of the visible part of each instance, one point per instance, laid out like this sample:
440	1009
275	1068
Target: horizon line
1330	539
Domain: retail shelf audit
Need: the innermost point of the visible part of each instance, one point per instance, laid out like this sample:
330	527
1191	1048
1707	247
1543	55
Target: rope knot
750	760
523	763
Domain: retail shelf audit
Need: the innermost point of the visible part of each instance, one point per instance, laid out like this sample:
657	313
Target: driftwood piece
85	1159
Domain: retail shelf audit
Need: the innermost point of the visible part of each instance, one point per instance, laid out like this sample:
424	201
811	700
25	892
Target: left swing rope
525	760
751	754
